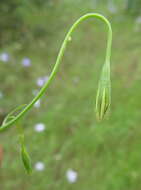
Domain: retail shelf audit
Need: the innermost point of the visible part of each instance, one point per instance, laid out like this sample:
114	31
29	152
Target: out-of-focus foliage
17	23
40	3
13	19
10	20
134	6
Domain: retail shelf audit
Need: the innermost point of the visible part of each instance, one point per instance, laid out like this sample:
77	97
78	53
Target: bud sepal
103	98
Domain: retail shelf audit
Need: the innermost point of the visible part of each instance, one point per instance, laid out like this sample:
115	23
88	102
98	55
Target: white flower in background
39	127
71	176
42	80
26	62
1	95
138	20
39	166
37	104
4	57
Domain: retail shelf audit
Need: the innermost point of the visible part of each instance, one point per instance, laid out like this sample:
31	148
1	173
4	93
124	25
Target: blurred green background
70	150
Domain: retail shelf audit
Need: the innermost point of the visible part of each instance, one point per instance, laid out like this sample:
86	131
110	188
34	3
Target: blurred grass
106	155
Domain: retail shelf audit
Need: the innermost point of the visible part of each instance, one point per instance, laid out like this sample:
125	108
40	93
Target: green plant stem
58	61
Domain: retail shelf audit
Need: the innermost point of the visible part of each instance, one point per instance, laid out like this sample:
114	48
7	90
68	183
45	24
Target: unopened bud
103	97
26	159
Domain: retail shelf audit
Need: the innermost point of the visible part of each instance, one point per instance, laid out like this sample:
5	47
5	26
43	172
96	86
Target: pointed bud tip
102	103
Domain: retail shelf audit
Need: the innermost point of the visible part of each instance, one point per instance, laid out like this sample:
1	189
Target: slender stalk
58	61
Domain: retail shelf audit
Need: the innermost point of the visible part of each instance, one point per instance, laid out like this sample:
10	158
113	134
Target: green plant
134	7
103	94
10	21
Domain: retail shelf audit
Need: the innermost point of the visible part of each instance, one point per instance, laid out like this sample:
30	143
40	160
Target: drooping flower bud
103	97
25	156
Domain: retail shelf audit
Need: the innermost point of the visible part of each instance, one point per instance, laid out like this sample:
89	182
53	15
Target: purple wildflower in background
71	176
39	127
4	57
42	80
26	62
39	166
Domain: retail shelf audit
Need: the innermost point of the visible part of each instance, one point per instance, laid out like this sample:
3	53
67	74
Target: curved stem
58	61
